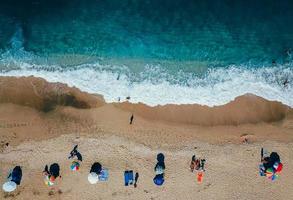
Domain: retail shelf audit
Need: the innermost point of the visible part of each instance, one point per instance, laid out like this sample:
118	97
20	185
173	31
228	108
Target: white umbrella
93	178
9	186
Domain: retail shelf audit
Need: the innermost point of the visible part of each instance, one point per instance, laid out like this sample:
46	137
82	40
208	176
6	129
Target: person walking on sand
131	119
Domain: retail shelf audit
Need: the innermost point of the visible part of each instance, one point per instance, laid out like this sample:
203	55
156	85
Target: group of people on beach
270	167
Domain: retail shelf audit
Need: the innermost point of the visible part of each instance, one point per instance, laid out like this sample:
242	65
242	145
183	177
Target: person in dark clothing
96	167
131	119
53	171
202	163
136	179
76	153
16	175
269	162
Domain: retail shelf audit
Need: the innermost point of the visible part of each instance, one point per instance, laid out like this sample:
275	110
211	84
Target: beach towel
128	178
103	176
74	166
200	176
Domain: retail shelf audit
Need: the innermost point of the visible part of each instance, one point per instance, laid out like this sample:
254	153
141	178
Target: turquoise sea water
156	51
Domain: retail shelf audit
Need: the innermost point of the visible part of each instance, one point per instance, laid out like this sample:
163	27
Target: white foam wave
219	86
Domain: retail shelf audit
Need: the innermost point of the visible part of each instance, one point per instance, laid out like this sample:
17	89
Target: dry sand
39	136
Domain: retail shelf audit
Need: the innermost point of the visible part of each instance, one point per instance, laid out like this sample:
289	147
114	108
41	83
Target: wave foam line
218	87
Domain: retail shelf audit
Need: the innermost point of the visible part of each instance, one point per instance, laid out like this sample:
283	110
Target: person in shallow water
160	170
13	179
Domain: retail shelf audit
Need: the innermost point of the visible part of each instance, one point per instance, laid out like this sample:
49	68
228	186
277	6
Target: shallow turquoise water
193	44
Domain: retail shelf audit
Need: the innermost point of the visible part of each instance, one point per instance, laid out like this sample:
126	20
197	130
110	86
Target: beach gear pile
75	154
160	170
271	166
51	174
197	165
130	179
13	179
97	173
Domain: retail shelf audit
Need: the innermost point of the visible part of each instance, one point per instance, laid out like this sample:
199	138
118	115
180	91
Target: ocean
153	51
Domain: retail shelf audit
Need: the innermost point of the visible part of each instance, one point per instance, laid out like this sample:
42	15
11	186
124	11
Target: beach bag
159	179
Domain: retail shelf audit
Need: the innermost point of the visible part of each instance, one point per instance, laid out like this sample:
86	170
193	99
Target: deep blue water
193	44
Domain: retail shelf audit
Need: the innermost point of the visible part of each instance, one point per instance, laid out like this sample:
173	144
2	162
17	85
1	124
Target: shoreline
44	110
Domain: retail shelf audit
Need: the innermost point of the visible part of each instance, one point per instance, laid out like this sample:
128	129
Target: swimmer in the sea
286	82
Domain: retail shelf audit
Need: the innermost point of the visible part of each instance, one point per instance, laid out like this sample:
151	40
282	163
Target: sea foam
217	86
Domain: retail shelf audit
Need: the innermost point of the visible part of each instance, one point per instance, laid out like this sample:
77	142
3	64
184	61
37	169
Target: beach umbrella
9	186
75	166
93	178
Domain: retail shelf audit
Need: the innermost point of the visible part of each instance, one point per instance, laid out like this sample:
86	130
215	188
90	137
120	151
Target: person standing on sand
195	163
131	119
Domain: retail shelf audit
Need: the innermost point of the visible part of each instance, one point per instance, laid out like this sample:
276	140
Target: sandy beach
40	122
